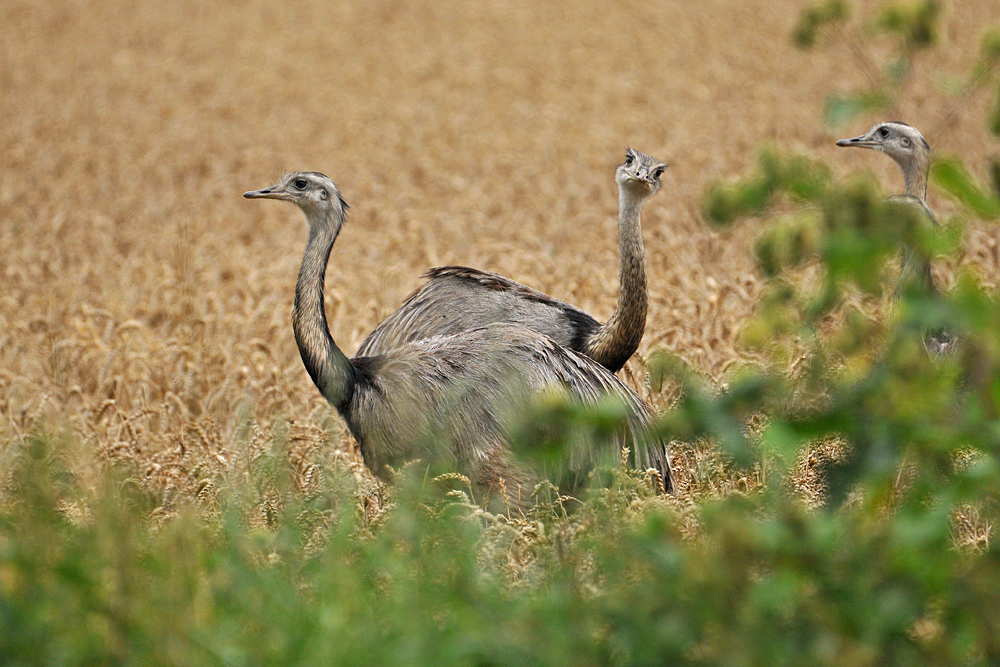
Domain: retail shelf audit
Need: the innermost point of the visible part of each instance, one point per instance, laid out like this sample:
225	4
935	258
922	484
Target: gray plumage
449	399
908	148
458	298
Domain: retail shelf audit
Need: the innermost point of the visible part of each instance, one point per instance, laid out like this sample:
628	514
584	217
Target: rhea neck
619	337
915	268
328	366
915	168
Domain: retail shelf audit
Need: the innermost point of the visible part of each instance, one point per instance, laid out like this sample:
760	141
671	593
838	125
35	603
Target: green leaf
842	108
951	176
989	55
816	17
913	23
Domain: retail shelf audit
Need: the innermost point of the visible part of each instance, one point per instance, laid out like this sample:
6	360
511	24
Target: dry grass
145	305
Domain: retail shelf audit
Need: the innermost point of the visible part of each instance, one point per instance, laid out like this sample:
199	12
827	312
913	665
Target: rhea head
904	144
640	173
311	191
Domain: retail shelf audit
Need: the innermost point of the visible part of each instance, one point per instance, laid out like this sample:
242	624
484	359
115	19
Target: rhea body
447	399
908	149
459	298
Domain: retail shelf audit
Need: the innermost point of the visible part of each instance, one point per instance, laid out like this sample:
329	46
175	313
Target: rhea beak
864	141
272	192
643	175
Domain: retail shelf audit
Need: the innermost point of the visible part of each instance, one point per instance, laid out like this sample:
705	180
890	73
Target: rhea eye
629	159
883	132
300	184
658	172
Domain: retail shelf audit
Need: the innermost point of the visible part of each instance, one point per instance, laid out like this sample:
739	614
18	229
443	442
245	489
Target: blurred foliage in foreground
886	44
894	567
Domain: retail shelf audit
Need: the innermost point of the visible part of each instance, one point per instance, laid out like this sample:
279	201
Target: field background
144	305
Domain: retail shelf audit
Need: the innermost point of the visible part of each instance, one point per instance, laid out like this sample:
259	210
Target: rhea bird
448	398
908	148
459	298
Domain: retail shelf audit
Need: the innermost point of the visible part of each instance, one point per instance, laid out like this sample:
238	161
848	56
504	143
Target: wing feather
456	299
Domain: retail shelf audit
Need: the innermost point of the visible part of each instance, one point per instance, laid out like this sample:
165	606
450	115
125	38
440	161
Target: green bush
889	560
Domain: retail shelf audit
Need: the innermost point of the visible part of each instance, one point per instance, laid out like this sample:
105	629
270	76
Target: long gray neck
915	267
618	339
329	368
915	175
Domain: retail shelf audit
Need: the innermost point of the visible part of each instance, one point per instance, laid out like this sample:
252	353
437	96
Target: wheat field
144	305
